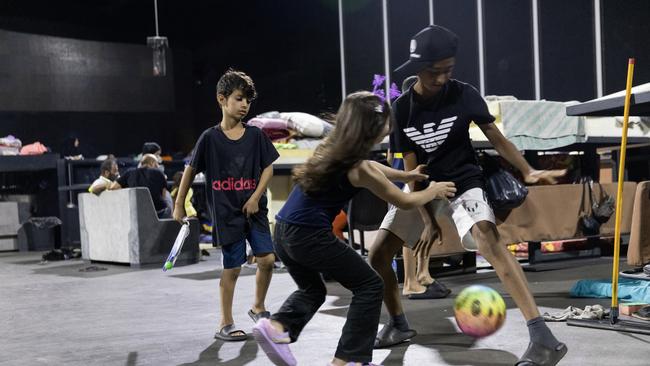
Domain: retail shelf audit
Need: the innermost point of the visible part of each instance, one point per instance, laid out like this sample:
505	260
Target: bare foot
413	289
425	280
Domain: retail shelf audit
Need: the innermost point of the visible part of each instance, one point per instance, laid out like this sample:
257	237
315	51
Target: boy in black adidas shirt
236	159
432	128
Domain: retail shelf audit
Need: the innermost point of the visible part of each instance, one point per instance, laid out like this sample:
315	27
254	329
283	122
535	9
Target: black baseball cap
432	44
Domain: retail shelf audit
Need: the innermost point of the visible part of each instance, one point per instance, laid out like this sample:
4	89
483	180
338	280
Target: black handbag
603	208
588	224
504	191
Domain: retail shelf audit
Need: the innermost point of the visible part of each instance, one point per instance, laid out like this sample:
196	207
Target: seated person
108	172
152	148
190	211
148	176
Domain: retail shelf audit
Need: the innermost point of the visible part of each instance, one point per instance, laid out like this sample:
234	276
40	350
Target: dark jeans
307	252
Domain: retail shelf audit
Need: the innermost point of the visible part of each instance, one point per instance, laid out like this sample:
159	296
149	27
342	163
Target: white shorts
465	211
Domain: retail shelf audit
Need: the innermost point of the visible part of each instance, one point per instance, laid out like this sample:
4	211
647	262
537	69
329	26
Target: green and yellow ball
479	311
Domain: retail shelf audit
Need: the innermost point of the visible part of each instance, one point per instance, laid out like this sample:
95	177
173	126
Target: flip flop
258	316
436	290
267	336
636	273
643	313
390	336
539	355
226	334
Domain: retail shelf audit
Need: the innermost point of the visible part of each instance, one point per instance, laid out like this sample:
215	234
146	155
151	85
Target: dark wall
567	47
403	23
567	50
626	28
508	48
289	47
44	73
363	43
119	131
460	17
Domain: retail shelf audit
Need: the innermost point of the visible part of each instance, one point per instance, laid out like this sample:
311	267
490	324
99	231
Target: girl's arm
366	175
395	175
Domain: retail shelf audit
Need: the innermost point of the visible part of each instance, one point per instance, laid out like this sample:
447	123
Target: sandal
436	290
226	334
539	355
390	336
258	316
643	313
274	343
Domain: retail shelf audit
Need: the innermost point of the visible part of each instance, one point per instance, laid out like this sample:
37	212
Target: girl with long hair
305	243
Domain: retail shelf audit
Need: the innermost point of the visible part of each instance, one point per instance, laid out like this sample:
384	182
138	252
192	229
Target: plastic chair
365	213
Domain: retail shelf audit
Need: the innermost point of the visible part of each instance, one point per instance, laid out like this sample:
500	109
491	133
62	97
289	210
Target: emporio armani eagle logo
431	139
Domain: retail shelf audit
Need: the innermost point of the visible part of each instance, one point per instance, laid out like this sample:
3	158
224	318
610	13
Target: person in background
152	148
148	176
108	172
71	148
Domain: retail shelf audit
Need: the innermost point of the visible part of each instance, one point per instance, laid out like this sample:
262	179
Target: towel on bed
540	125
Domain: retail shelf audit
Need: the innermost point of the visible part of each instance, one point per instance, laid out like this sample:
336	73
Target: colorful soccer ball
480	311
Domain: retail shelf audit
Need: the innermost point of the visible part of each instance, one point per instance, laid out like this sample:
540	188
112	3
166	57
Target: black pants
308	252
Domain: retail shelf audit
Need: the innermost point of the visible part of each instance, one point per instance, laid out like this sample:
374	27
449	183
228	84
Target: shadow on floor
210	356
435	331
213	274
132	359
77	268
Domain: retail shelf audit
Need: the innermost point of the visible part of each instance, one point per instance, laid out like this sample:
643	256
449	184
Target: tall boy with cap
432	127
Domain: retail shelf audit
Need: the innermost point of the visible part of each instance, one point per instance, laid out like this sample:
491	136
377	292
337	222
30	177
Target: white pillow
305	123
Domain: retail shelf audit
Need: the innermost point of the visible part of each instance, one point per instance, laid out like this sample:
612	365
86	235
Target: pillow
305	123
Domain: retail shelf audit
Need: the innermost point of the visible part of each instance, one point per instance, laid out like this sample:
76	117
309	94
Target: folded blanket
628	289
540	125
274	128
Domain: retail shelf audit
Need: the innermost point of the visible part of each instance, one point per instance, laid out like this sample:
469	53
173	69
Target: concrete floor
54	314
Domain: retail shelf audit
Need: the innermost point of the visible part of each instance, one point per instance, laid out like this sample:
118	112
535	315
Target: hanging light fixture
159	45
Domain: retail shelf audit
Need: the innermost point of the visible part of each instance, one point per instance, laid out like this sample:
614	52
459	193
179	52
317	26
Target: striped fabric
540	125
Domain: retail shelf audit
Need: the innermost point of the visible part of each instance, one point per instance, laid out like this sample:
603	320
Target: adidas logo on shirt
431	139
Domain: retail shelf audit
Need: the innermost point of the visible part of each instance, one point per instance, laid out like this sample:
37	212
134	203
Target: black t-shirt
438	132
150	178
232	171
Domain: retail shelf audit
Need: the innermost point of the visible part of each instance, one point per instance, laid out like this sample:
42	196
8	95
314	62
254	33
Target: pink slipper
274	343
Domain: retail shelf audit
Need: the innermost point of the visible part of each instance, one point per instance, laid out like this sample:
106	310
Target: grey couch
122	227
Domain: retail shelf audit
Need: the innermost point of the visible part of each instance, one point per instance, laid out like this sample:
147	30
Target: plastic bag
504	191
44	222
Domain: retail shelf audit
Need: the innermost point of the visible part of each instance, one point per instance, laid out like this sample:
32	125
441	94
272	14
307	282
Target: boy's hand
418	174
443	189
179	213
251	207
544	176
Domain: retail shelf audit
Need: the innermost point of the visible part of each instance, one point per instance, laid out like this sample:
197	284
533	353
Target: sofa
121	226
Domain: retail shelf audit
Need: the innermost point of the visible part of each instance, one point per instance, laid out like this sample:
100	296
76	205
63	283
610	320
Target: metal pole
155	7
619	193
